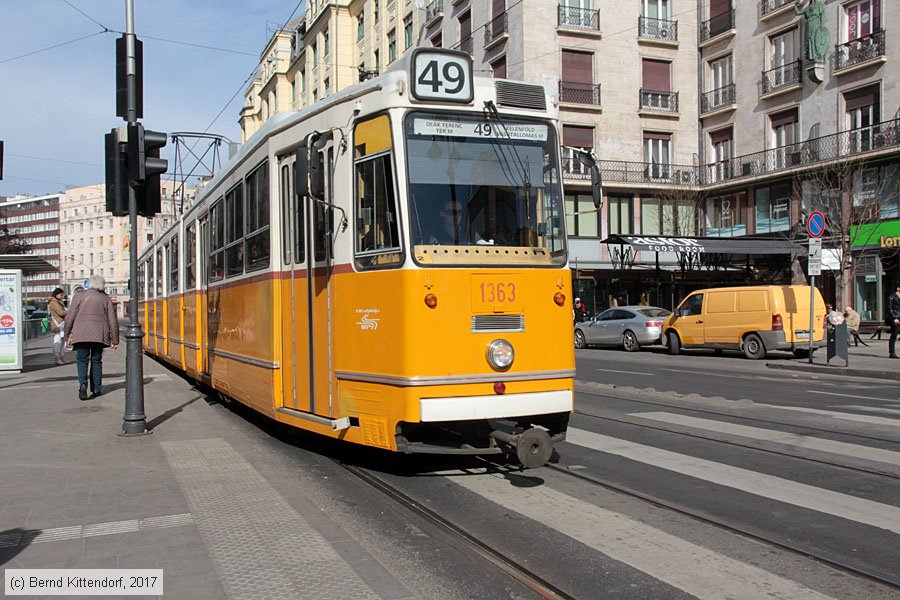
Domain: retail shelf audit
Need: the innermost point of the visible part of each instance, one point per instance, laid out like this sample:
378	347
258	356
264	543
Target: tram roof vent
520	95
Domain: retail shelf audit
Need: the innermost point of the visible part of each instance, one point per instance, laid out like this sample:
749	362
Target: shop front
876	266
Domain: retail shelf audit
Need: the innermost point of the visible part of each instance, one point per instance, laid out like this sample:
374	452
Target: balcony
573	168
579	93
496	31
433	12
781	79
880	138
622	171
658	101
716	26
466	45
767	8
858	52
586	19
658	29
717	99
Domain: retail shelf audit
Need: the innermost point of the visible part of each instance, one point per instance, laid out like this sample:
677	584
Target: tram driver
454	230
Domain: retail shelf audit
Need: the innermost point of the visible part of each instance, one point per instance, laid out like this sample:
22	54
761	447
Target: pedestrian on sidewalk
579	312
92	326
832	317
893	320
853	319
58	311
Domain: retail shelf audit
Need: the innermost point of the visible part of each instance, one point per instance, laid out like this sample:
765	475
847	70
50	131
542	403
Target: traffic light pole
135	421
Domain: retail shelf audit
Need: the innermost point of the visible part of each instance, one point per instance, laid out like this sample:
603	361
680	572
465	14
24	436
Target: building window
325	44
721	73
784	48
498	68
375	13
667	216
725	216
656	89
360	26
784	136
577	82
773	208
407	32
392	46
621	214
656	9
575	136
862	110
437	41
861	19
721	152
657	152
582	217
327	85
377	61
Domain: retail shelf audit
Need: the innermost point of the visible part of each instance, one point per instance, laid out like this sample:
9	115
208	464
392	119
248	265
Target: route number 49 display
441	75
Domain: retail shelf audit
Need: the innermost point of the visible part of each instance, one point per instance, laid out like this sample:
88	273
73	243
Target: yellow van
754	319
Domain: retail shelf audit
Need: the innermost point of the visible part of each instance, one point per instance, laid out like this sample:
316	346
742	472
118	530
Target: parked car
628	326
753	319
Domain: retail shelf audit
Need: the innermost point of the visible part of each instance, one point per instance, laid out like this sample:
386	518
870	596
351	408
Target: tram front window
475	181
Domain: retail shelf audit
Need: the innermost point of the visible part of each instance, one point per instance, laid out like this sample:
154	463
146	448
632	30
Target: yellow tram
387	267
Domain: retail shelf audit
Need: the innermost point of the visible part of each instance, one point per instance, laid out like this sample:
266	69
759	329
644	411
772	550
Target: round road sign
815	224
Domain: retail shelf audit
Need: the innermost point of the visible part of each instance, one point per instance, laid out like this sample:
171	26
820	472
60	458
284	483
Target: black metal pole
134	421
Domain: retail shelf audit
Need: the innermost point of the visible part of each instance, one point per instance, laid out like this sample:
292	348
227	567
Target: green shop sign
885	234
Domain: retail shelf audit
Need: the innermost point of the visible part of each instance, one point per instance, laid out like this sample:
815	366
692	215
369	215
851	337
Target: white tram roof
509	96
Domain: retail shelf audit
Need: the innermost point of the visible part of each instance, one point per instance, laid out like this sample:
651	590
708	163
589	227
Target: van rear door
796	314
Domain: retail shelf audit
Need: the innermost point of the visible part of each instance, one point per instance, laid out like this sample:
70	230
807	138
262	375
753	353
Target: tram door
307	234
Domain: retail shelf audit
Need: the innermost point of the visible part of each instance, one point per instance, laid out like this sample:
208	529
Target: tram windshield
490	185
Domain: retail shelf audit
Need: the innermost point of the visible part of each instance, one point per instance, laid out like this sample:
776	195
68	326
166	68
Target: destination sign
536	132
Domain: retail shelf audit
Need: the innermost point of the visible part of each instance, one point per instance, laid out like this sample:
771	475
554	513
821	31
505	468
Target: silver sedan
628	326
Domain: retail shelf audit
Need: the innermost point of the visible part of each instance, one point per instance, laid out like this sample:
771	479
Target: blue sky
56	105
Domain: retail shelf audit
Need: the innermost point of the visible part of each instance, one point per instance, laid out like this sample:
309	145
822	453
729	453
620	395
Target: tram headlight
500	354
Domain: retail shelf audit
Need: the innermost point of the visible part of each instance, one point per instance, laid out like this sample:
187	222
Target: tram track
821	558
501	561
713	438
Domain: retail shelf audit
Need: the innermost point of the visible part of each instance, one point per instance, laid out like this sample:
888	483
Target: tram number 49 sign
441	75
815	224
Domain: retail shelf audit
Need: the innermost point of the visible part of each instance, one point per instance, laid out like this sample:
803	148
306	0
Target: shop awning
28	263
706	245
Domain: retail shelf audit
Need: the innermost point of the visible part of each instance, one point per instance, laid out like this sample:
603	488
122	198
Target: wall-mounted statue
817	36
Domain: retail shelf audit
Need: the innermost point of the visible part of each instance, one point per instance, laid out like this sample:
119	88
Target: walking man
893	319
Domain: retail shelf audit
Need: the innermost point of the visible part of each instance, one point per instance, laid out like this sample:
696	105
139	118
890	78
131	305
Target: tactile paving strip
261	547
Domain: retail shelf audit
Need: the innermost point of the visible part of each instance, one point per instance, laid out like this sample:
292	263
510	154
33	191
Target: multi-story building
35	220
717	119
91	241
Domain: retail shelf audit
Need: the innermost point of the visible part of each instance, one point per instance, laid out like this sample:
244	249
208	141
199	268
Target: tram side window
159	273
258	218
377	232
190	257
217	241
323	215
234	231
173	264
292	207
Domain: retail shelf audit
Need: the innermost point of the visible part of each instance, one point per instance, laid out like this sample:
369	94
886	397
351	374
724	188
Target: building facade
715	118
35	220
91	241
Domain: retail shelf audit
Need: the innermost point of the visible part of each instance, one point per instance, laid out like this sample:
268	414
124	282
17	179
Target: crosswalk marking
780	437
885	411
834	414
840	505
682	564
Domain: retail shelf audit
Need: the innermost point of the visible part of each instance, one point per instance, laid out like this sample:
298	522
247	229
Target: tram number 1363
498	292
442	75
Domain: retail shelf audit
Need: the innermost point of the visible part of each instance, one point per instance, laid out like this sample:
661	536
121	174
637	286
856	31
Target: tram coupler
533	446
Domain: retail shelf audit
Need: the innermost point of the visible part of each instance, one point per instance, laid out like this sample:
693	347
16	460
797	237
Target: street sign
815	224
815	256
84	283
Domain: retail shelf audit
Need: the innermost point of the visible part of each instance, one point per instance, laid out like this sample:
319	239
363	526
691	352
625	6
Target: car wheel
579	339
630	341
753	347
673	342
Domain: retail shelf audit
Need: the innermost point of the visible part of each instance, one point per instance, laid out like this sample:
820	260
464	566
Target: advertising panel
11	320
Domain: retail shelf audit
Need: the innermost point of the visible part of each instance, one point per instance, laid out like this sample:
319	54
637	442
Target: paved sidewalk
871	362
201	497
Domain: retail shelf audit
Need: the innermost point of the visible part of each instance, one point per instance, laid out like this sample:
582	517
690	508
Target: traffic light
145	166
116	176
